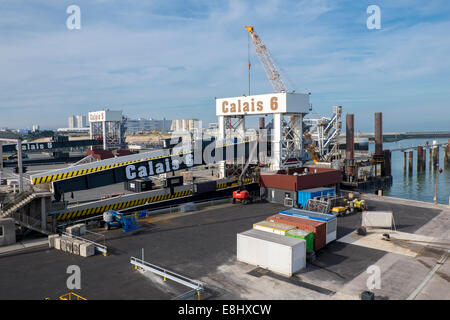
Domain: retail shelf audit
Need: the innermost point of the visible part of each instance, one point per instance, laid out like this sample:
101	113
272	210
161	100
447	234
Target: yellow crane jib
249	29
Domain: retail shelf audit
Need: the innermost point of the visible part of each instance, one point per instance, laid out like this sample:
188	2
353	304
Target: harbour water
417	185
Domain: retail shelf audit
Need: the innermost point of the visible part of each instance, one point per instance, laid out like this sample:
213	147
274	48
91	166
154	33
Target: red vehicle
242	196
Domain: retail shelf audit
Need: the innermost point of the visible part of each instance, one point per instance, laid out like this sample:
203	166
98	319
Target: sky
172	58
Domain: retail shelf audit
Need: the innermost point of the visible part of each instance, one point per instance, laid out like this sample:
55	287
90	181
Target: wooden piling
430	155
404	160
420	163
446	154
436	155
410	161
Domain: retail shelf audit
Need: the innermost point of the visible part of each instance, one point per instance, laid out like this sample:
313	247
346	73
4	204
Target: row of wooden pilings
433	157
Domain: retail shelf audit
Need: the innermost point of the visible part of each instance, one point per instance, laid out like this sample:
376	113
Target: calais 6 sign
263	104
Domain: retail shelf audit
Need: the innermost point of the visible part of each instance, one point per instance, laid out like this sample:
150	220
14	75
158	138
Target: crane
267	61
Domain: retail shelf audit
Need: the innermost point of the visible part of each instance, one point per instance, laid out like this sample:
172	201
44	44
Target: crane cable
249	64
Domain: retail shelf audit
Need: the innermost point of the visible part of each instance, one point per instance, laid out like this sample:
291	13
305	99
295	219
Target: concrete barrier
51	240
57	243
87	249
63	244
82	228
73	230
76	246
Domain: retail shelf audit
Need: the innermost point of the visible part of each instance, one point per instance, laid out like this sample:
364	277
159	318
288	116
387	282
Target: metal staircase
20	201
31	223
12	210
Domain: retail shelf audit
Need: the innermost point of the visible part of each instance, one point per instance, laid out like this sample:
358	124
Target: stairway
22	200
30	223
12	210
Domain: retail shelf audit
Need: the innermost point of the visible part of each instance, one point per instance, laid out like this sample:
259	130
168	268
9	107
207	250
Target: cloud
150	57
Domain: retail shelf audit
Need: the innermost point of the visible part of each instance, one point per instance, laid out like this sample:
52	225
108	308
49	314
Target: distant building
107	125
145	125
72	122
82	121
35	128
77	121
185	125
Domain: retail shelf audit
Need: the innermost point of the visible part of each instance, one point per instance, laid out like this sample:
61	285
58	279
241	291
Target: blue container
305	214
304	195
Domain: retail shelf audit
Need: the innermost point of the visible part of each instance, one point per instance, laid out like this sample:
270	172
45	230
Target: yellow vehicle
340	211
359	205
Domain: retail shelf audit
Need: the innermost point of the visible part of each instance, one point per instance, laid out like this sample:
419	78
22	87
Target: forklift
242	195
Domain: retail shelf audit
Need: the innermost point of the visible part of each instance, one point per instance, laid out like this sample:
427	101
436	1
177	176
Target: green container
303	234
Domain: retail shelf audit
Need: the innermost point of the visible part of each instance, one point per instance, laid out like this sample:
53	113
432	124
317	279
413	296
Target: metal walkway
129	201
120	169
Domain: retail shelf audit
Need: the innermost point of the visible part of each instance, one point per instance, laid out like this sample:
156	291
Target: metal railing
32	223
196	286
17	199
71	296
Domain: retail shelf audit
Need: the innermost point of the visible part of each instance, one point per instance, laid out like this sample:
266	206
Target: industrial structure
289	154
107	126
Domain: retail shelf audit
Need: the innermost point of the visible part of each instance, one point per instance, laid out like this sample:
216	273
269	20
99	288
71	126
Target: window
1	231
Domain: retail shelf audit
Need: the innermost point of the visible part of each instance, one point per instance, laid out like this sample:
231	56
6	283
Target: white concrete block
69	245
87	249
57	243
64	244
82	229
51	240
73	230
76	246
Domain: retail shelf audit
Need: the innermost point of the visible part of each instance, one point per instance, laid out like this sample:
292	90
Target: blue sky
171	58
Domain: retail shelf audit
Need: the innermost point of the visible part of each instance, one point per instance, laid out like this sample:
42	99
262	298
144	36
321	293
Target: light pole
438	171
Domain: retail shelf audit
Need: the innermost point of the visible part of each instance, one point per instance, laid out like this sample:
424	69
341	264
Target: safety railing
71	296
196	286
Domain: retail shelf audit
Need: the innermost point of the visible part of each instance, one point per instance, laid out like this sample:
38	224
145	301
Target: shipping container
138	185
377	219
173	181
329	219
204	187
304	195
306	235
319	228
273	227
280	254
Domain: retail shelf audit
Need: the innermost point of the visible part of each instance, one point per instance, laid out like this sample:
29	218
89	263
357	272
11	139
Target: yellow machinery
359	205
339	211
71	296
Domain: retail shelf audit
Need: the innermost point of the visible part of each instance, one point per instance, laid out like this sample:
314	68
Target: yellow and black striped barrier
121	205
76	173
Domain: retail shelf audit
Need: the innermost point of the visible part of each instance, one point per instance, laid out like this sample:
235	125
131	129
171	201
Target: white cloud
152	58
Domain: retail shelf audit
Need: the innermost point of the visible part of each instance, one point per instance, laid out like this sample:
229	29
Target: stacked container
304	195
316	227
329	219
273	227
308	236
280	254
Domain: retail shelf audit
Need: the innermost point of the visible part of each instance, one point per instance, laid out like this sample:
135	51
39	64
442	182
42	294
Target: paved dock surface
202	246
